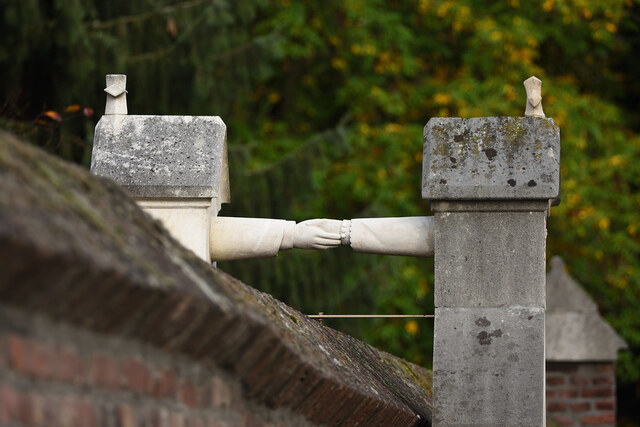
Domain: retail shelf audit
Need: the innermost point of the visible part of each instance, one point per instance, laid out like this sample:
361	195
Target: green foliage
325	104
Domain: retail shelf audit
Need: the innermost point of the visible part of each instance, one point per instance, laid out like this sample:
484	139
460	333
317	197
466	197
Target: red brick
252	420
158	417
556	406
165	384
30	358
84	413
69	367
568	393
221	394
608	405
125	416
176	419
4	356
608	380
597	392
105	371
599	419
607	367
550	394
578	380
10	401
580	406
555	380
562	420
136	375
189	394
39	410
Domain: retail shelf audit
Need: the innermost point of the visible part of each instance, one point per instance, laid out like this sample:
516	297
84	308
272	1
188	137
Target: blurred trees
325	104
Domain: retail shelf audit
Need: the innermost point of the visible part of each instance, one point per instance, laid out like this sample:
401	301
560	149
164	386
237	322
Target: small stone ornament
116	94
533	86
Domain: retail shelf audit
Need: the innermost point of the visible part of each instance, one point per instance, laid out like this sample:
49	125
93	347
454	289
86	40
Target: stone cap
496	158
574	329
163	156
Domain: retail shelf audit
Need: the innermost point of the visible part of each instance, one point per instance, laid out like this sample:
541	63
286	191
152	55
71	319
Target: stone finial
533	86
116	94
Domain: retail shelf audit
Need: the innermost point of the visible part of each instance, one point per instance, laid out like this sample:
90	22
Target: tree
325	104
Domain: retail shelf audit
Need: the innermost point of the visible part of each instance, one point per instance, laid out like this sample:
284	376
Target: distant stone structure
581	354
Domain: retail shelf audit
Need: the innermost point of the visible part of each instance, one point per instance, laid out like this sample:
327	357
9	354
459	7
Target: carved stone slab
491	158
163	156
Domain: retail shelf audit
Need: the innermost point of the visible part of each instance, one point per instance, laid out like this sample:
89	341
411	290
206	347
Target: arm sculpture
237	238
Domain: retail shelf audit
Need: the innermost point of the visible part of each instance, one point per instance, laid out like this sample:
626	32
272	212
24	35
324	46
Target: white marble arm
233	238
409	236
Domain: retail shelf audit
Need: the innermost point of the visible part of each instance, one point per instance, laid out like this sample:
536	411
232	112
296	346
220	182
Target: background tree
325	104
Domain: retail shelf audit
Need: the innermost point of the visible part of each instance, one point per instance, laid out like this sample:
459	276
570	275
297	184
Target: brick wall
581	394
56	375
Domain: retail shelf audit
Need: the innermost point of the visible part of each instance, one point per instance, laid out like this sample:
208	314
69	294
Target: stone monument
490	182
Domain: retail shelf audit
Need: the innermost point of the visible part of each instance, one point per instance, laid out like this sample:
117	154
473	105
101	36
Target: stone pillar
490	182
175	167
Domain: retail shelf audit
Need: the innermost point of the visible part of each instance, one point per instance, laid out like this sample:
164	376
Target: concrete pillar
490	182
175	167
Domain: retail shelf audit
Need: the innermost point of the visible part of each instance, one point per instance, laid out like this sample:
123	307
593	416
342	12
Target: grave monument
490	181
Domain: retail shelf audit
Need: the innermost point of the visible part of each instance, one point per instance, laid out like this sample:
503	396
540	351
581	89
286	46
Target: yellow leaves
412	327
587	13
632	229
423	7
381	174
335	41
339	64
393	128
495	36
442	98
586	212
423	287
377	92
510	92
387	62
611	27
573	199
616	160
273	97
444	8
604	223
72	108
367	49
418	157
547	6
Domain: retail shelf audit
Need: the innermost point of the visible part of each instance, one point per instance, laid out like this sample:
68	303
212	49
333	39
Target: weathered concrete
575	331
174	166
490	181
504	158
472	389
163	156
500	253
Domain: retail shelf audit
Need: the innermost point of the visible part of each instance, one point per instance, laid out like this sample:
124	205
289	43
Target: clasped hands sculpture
239	238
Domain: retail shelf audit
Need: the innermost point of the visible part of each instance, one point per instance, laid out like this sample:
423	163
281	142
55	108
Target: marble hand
317	234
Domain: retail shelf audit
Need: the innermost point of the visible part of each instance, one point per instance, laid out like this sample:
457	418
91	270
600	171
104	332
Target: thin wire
366	316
